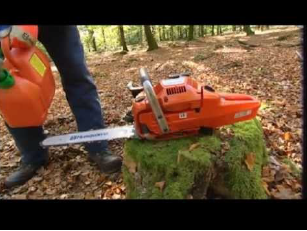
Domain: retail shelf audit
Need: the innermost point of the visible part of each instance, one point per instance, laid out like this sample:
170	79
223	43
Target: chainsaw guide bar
90	136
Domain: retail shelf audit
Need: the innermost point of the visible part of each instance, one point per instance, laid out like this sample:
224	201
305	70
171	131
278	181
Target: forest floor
267	68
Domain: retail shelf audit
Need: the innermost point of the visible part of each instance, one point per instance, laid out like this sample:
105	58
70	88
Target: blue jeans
65	48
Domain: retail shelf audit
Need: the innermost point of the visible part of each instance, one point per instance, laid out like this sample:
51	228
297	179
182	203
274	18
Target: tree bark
141	35
180	35
122	38
212	30
163	33
172	33
160	33
92	39
248	30
104	38
191	33
218	30
152	44
201	31
234	28
186	32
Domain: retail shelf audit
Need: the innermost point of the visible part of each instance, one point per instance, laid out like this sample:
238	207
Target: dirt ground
265	65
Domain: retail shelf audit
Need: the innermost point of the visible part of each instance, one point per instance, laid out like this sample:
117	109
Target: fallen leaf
190	197
265	171
32	189
160	185
194	146
101	179
268	179
64	196
87	182
116	196
109	183
20	197
287	136
250	161
89	196
265	186
130	164
284	193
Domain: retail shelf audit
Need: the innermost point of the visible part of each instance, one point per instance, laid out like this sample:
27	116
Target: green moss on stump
248	138
178	163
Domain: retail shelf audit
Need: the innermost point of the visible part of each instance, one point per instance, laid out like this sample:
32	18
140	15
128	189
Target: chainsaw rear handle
134	90
153	101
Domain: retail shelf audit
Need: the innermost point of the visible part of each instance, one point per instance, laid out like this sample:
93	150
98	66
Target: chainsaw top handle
153	101
144	76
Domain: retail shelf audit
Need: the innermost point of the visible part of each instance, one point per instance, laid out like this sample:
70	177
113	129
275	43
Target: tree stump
226	164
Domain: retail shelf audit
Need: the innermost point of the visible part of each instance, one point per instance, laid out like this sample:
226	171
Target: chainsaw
174	108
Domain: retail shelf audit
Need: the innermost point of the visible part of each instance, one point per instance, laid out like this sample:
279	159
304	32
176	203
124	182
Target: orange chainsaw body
188	107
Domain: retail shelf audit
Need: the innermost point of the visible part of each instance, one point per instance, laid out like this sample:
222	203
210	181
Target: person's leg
33	156
65	48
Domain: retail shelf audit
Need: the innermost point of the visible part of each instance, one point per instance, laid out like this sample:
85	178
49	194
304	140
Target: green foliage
107	37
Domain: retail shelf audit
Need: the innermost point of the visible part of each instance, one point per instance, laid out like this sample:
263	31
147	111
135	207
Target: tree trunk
212	30
195	167
186	33
180	35
248	30
88	44
94	43
191	33
152	44
163	33
92	39
205	30
172	33
141	35
160	33
122	38
218	30
104	38
201	30
234	28
153	31
241	28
